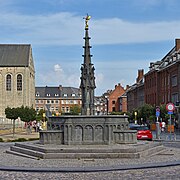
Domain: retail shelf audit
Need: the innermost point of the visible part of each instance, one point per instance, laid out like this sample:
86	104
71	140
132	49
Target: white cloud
67	29
57	68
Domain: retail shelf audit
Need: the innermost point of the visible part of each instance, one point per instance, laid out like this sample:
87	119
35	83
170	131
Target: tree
146	111
75	110
12	113
27	114
39	115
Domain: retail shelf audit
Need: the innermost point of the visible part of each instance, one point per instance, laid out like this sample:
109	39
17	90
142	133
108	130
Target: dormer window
48	95
37	94
56	95
65	95
73	95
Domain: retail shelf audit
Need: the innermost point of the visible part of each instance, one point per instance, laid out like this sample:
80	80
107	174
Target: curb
91	169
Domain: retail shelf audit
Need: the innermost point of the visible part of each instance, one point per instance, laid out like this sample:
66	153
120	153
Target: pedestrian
163	126
38	125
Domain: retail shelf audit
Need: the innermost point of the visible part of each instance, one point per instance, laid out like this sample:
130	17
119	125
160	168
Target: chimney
60	87
177	44
127	87
140	75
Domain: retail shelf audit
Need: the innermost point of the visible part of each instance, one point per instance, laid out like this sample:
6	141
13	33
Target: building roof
14	55
56	92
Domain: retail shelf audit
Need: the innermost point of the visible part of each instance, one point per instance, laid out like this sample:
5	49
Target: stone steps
38	151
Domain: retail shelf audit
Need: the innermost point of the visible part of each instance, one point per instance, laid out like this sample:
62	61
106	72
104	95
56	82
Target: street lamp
135	114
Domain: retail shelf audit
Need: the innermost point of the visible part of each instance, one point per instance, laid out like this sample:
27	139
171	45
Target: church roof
14	55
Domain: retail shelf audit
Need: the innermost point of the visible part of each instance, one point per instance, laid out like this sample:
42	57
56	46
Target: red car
143	132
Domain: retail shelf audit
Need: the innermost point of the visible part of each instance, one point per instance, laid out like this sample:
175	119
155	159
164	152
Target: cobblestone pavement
171	154
151	174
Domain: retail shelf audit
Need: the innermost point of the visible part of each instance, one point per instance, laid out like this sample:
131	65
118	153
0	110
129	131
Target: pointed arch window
8	82
19	82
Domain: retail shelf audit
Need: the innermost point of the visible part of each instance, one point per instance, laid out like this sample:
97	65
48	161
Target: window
67	109
52	101
47	94
113	102
37	94
48	101
8	82
56	101
174	80
73	95
175	97
19	82
65	95
63	109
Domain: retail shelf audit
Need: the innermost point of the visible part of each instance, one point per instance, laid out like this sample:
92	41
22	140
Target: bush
1	140
17	140
33	139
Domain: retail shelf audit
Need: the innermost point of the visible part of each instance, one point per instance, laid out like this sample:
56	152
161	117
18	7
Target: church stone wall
16	98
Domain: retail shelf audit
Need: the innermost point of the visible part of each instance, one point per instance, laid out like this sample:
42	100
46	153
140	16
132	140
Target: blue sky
126	35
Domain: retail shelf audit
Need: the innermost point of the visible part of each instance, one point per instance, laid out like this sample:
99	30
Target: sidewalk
8	135
175	136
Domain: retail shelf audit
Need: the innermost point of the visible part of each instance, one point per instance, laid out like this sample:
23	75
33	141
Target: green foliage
75	110
118	113
163	111
11	113
33	139
1	140
145	111
17	140
25	113
148	112
39	115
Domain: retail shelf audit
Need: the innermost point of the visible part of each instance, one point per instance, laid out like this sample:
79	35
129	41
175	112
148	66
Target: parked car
143	132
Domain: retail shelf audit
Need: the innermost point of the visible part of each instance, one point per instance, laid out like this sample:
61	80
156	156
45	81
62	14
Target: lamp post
135	114
44	116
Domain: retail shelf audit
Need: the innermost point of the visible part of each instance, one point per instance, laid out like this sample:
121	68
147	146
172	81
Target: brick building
135	93
60	99
114	101
123	103
162	81
17	76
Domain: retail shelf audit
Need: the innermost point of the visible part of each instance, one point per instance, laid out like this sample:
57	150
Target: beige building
17	76
59	99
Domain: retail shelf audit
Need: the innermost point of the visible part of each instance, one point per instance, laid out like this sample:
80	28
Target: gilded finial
87	18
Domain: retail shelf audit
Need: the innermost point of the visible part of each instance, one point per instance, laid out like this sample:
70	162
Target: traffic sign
170	107
157	113
157	109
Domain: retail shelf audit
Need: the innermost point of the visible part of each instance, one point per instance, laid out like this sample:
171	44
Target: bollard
157	130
